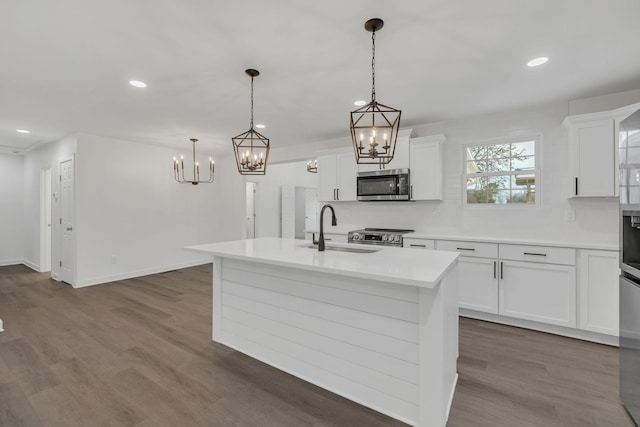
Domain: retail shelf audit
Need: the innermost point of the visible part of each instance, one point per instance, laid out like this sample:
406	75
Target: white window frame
536	172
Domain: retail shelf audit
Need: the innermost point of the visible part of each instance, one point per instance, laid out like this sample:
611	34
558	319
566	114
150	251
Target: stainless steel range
378	236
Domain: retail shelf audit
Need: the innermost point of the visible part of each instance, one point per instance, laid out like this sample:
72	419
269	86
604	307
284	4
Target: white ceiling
65	65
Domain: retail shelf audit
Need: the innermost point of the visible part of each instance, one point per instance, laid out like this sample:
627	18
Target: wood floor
138	352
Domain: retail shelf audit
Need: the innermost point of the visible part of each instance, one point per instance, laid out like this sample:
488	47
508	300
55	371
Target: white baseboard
31	265
542	327
6	262
131	274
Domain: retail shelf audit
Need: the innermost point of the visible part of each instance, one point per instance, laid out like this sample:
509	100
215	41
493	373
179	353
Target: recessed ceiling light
23	131
261	126
137	83
360	103
537	61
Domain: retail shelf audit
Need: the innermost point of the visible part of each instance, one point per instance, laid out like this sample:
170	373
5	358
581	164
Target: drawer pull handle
501	270
494	269
418	246
466	249
534	254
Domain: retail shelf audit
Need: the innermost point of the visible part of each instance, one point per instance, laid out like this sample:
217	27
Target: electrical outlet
114	259
570	214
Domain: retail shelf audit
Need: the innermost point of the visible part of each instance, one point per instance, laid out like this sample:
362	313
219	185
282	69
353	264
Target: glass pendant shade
374	127
251	147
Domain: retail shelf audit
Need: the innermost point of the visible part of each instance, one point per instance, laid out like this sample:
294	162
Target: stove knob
385	238
396	238
356	236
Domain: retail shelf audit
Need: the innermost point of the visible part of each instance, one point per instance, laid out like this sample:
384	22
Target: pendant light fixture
178	169
251	148
374	127
312	166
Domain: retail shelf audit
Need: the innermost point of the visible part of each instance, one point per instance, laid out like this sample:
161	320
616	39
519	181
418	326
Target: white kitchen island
378	328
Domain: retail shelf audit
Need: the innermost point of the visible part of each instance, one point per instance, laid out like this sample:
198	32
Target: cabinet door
478	284
347	172
425	155
598	291
541	292
327	173
593	158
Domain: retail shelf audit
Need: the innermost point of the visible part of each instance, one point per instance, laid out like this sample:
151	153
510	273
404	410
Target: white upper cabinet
426	164
593	152
592	162
337	172
400	156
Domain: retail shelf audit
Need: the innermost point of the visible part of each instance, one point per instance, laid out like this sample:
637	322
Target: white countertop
413	267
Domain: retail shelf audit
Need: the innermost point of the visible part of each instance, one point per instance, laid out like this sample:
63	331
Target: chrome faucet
333	223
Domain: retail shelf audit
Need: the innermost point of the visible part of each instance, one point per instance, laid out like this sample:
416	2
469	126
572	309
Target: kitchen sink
340	248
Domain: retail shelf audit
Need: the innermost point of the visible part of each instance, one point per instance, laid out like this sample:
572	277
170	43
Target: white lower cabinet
598	291
478	284
537	291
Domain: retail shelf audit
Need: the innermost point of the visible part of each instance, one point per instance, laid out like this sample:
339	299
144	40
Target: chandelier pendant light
251	148
312	166
374	127
178	169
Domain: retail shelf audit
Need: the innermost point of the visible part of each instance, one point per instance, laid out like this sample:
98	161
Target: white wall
268	200
134	219
11	210
47	156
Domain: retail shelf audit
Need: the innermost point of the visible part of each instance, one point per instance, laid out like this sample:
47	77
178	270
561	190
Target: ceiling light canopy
251	148
535	62
374	127
23	131
178	169
137	83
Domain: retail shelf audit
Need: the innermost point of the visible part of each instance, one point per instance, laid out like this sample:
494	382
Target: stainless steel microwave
381	185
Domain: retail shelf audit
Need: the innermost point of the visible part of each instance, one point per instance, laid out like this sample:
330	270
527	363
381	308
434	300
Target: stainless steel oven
392	184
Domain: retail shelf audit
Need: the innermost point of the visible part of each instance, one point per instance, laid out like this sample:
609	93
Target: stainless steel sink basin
341	248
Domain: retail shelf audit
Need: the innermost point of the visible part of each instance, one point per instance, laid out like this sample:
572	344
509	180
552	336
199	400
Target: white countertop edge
348	273
576	245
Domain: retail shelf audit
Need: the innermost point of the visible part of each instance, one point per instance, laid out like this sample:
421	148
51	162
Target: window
503	173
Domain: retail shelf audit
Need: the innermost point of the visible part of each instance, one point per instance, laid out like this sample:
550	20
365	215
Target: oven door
375	186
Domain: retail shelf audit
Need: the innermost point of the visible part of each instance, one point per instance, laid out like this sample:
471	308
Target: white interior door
288	212
45	220
251	210
67	202
311	209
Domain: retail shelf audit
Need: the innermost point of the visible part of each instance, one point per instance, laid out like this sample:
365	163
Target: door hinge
60	263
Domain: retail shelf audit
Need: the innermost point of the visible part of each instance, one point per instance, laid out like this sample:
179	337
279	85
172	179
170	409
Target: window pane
476	196
498	182
519	196
500	197
477	152
523	163
498	165
523	182
526	148
476	166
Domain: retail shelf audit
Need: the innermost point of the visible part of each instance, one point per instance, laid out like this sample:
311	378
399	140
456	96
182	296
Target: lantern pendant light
251	148
178	168
374	127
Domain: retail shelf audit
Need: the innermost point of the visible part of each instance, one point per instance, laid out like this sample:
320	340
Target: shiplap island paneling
378	328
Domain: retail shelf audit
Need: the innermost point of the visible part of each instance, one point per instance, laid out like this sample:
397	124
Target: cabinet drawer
334	237
418	243
542	254
470	249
